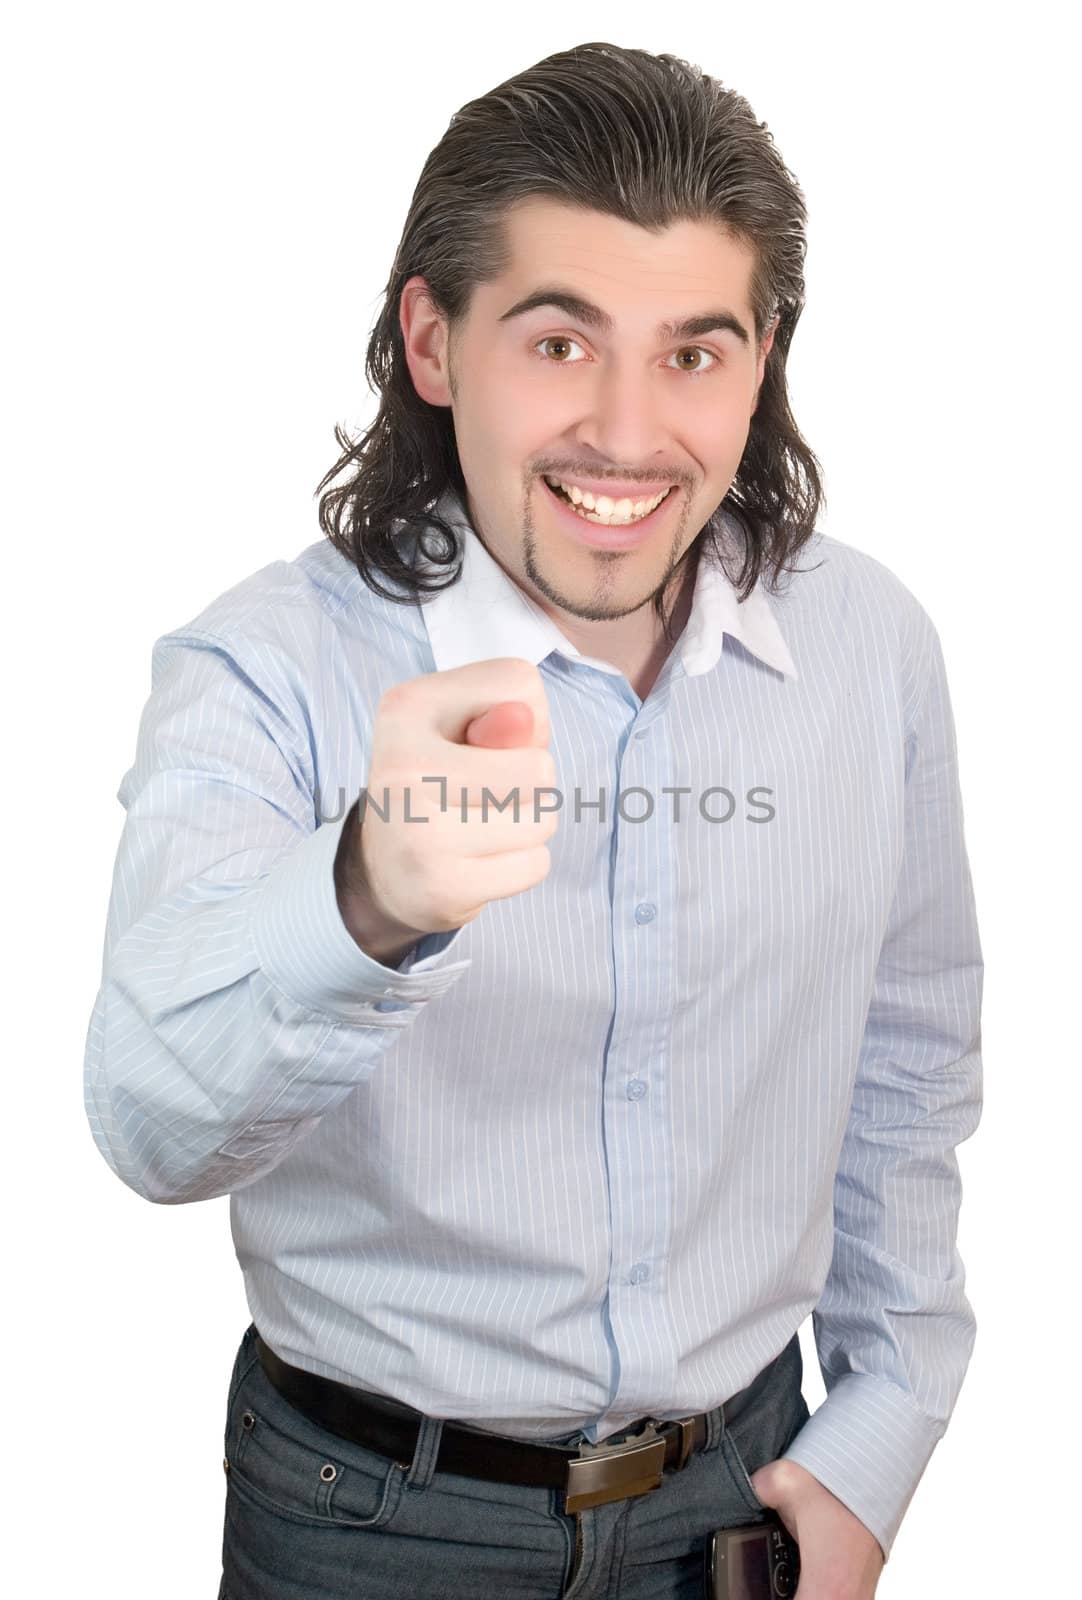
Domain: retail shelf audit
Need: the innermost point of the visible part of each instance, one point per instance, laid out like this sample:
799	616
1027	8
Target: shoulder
835	574
298	614
854	627
836	588
284	595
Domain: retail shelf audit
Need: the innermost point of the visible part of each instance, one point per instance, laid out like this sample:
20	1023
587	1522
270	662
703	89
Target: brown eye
557	343
557	340
700	351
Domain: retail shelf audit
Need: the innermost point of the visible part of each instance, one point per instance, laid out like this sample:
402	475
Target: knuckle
392	705
402	696
519	671
409	853
542	769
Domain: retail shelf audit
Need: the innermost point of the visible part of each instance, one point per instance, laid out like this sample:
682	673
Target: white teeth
600	508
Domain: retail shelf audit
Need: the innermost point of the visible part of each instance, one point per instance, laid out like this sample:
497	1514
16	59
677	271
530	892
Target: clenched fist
427	848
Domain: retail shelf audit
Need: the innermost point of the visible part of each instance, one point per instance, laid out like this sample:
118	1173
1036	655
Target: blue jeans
309	1516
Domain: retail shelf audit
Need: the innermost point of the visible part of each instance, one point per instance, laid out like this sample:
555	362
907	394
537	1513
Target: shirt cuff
869	1444
306	950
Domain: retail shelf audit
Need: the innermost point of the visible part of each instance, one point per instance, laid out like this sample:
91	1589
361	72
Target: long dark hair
651	139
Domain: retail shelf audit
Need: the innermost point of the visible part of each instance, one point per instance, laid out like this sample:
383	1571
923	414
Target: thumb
502	727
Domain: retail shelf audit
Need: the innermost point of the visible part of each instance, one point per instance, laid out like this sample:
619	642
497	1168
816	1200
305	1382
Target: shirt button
640	1272
636	1089
642	733
645	911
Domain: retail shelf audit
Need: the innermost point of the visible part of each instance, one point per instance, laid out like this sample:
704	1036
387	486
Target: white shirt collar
485	614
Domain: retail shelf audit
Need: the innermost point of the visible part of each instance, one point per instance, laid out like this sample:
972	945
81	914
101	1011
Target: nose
624	417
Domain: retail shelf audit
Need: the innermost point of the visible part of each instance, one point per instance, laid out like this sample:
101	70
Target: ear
764	351
424	334
767	345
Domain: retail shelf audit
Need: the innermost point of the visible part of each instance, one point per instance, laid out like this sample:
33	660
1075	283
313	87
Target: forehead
621	265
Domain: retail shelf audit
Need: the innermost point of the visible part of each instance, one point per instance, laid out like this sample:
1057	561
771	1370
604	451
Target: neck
639	656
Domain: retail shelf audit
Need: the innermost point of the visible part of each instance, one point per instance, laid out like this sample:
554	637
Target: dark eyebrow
593	316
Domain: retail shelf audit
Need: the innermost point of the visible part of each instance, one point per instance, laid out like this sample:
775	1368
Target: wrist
380	936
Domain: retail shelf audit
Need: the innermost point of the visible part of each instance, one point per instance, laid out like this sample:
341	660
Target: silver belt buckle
607	1472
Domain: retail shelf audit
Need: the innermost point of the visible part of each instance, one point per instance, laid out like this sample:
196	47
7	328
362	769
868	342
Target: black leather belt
589	1475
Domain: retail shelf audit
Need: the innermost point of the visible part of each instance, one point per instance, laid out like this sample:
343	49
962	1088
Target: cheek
717	440
518	419
516	430
733	425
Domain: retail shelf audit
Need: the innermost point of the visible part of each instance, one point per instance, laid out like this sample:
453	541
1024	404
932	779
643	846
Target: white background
202	206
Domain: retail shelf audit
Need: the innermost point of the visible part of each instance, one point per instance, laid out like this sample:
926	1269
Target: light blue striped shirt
597	1154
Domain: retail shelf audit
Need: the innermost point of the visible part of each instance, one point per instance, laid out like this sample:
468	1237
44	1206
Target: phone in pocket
759	1561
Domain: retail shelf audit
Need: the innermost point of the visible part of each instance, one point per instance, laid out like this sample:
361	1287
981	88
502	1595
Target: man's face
627	409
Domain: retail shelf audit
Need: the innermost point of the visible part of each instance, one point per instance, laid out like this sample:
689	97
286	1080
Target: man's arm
894	1330
235	1008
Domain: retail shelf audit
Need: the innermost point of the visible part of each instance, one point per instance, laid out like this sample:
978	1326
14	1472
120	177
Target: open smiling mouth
602	535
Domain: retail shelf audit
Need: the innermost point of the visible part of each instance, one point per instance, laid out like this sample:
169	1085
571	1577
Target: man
631	1013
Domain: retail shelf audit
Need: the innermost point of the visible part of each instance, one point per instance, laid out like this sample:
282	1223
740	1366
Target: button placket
638	1052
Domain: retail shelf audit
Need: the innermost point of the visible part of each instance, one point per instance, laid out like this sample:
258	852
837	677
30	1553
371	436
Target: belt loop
425	1452
715	1428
